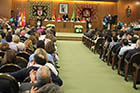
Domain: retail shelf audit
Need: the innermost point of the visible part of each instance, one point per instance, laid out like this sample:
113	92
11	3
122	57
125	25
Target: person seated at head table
77	19
83	20
46	19
58	19
65	17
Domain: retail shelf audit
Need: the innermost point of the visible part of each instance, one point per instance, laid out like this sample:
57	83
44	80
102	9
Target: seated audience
12	45
22	36
133	51
28	45
114	42
125	47
9	57
4	46
20	45
38	61
38	78
48	88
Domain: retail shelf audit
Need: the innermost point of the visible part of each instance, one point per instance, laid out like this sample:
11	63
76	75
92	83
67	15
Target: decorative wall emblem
42	9
87	10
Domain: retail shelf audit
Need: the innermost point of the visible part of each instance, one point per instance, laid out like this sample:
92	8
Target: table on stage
61	26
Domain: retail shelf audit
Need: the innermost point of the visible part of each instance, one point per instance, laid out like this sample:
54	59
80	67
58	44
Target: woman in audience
33	39
39	51
28	44
20	45
49	37
4	46
9	57
50	49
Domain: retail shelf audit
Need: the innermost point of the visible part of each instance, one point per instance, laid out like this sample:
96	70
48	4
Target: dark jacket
23	73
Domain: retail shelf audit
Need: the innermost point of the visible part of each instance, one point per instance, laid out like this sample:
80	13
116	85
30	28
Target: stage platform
69	36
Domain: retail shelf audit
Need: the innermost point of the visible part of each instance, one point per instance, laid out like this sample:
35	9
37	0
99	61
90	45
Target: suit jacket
23	73
131	52
65	17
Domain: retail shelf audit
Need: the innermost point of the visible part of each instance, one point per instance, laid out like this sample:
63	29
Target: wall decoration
63	8
87	11
128	11
42	9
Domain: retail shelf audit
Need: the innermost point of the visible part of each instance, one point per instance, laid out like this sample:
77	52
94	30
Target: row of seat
131	67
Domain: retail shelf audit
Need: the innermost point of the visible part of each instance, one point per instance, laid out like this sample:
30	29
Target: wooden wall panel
5	8
135	7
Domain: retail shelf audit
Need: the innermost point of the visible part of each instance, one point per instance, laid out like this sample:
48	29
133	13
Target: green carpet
83	72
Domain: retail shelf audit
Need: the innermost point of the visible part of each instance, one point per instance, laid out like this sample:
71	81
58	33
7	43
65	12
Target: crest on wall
87	10
42	9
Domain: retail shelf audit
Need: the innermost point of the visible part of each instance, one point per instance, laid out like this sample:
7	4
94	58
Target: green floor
83	72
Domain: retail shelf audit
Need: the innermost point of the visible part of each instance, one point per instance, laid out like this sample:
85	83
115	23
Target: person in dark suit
38	61
65	17
39	22
133	51
38	78
77	19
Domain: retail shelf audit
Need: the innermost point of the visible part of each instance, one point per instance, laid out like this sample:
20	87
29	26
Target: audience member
125	47
48	88
133	51
9	57
37	62
9	41
38	78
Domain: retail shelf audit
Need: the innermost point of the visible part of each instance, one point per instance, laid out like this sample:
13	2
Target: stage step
69	38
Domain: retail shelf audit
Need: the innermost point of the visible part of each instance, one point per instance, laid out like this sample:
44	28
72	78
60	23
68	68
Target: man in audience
48	88
22	35
114	42
125	47
38	78
9	41
37	62
133	51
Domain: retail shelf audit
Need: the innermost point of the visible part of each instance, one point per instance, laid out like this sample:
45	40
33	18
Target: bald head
43	75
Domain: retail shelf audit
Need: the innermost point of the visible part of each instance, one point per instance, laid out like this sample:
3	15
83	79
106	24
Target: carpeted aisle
83	72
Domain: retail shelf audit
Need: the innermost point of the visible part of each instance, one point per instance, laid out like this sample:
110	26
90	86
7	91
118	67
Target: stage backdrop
95	10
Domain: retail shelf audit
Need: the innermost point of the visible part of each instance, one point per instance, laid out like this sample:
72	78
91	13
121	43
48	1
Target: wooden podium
67	27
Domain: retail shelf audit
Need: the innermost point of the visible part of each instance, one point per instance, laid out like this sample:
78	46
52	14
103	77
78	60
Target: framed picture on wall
63	8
